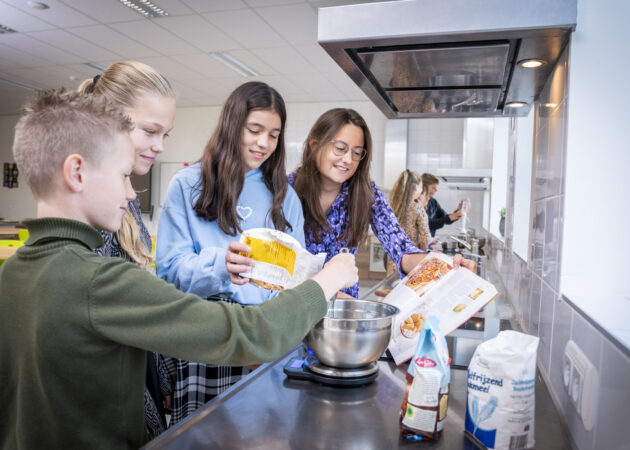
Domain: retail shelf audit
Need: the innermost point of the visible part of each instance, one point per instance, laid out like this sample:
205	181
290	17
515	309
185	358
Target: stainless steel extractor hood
465	179
448	58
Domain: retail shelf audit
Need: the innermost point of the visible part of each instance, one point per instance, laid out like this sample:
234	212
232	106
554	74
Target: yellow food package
280	262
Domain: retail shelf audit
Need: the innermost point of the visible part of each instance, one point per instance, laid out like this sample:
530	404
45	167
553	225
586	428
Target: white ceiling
276	38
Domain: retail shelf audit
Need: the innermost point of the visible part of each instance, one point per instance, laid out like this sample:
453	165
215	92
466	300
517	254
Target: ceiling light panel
18	84
93	66
37	5
237	66
144	8
20	17
5	29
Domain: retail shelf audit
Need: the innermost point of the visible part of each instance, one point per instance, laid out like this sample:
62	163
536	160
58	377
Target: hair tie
96	78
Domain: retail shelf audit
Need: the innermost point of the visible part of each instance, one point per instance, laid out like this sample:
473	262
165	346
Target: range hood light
532	63
516	104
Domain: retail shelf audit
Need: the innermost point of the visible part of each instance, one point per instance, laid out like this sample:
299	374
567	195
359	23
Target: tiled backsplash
533	288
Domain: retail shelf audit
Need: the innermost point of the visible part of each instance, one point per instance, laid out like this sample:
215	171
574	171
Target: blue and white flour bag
500	406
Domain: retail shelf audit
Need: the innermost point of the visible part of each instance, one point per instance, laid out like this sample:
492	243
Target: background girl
239	183
148	99
408	201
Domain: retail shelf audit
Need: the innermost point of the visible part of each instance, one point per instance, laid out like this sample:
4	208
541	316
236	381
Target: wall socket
581	382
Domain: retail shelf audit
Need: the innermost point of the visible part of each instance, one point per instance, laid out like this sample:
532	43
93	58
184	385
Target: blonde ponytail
123	83
402	192
129	239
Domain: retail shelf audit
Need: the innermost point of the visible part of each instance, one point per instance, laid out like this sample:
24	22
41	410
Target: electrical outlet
581	382
567	368
576	388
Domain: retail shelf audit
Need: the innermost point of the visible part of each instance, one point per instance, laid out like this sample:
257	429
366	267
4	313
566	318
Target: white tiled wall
535	293
436	144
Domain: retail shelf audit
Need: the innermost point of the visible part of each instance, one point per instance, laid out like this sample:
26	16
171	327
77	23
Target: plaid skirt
197	383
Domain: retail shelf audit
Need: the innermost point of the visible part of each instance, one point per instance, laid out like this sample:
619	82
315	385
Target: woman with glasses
339	200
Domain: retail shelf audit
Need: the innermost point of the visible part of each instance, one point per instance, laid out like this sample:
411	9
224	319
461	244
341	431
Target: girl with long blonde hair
146	96
408	200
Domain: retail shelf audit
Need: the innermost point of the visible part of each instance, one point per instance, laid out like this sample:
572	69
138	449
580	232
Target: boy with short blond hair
75	327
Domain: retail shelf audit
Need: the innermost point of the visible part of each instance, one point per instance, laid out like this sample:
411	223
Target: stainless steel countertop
267	410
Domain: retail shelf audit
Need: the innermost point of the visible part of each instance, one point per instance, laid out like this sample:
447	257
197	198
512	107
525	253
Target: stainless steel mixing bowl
353	333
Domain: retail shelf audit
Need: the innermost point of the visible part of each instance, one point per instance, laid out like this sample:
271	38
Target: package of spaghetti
280	262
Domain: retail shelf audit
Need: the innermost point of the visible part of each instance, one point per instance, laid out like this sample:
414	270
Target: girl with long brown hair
239	183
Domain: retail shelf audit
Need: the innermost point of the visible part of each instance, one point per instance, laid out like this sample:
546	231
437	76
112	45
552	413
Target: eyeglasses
340	148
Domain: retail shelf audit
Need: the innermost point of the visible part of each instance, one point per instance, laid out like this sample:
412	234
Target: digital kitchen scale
311	369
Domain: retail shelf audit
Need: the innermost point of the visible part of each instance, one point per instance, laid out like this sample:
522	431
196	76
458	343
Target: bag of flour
280	262
501	378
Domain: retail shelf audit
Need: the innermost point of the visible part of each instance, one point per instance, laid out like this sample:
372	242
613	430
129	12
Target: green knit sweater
75	326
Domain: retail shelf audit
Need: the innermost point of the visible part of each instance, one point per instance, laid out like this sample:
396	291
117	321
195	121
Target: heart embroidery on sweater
244	212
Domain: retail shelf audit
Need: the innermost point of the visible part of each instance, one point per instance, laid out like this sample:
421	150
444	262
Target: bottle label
420	419
425	388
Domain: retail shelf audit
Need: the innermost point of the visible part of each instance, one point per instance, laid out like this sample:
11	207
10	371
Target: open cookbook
434	288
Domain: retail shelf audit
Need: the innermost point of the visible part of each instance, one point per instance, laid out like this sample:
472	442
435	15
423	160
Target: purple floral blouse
384	225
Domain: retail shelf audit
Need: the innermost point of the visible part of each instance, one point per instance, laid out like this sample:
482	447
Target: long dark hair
222	167
308	178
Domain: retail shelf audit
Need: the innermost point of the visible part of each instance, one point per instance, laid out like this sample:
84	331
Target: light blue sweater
190	251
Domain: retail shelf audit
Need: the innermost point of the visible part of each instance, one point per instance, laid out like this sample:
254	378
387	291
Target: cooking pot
352	334
468	237
482	242
449	246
